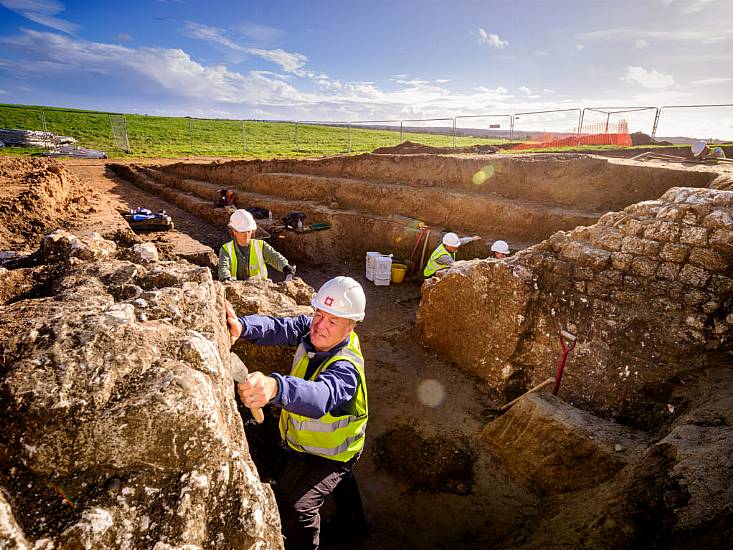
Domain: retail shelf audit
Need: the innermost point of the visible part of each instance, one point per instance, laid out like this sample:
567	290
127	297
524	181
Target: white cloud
718	80
648	79
579	47
689	7
414	82
641	44
258	33
442	80
541	53
702	36
525	90
41	12
289	61
492	40
548	91
501	90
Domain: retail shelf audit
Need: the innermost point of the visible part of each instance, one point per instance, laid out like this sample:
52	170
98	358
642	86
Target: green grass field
152	136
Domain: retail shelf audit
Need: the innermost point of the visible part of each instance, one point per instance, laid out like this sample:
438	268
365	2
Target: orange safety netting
591	134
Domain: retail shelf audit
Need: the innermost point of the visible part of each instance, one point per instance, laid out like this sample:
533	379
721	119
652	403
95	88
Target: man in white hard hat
500	249
445	254
244	257
701	151
323	405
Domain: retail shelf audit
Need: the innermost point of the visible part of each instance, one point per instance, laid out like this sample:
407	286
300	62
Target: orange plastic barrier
594	134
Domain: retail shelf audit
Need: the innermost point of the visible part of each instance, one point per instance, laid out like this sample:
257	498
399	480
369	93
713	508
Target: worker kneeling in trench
445	254
245	257
324	406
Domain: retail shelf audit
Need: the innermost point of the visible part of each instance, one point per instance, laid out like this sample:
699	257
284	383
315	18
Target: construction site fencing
498	126
177	136
713	122
367	135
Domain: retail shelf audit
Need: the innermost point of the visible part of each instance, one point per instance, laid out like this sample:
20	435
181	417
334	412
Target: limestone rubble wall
648	291
120	427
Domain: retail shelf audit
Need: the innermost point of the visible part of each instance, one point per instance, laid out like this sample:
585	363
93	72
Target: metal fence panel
684	123
529	125
367	135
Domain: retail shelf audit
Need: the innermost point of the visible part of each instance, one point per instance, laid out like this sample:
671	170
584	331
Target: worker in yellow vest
323	406
245	257
445	254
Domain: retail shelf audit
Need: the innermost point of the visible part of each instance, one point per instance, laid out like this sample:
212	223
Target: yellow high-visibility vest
334	437
257	266
432	266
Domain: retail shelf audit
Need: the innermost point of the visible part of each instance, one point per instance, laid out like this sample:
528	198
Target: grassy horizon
154	136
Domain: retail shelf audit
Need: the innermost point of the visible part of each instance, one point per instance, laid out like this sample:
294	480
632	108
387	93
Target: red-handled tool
571	339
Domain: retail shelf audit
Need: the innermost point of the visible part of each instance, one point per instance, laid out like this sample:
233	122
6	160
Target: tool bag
225	198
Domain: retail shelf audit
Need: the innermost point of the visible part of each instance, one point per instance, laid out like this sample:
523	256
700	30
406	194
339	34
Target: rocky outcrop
264	297
648	291
121	429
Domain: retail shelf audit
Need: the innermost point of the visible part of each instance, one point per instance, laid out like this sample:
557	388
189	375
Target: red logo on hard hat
328	301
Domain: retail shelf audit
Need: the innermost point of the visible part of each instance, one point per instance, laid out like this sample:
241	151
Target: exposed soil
425	481
410	148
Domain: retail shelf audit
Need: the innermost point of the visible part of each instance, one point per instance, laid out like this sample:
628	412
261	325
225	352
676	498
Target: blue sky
341	60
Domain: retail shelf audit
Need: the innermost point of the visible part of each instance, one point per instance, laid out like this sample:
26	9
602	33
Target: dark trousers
301	489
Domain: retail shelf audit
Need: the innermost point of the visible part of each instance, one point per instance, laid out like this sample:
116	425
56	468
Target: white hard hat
241	220
500	246
698	147
342	297
451	239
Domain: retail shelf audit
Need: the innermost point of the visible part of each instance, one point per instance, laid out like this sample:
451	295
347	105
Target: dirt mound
37	196
640	138
432	464
410	148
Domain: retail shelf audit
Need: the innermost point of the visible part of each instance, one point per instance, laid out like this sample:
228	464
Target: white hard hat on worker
451	239
339	305
241	221
341	297
500	246
698	147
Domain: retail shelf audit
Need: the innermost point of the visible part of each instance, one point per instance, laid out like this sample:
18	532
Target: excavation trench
441	468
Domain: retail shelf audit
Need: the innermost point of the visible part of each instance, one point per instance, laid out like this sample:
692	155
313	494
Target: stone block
670	213
668	270
626	297
694	297
697	236
632	283
621	260
583	273
709	259
643	247
570	250
594	258
710	307
643	266
719	219
611	218
606	238
662	231
693	275
720	284
634	227
673	252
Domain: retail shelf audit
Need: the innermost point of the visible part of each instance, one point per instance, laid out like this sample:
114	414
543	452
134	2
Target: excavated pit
441	469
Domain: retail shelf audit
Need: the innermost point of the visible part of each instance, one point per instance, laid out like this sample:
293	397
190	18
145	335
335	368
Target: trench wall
377	202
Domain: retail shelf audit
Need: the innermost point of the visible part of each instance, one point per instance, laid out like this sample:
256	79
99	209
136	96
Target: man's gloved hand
289	271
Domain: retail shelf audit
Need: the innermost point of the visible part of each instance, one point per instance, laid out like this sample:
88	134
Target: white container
382	267
381	282
370	257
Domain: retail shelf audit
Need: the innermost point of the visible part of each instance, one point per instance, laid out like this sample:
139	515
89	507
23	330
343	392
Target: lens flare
431	393
484	174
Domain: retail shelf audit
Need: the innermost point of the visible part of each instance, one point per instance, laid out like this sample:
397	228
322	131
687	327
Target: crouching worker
244	257
323	406
445	254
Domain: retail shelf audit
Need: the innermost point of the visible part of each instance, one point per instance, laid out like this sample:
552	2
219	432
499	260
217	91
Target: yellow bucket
398	273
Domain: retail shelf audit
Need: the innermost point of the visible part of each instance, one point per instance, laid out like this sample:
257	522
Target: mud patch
430	464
